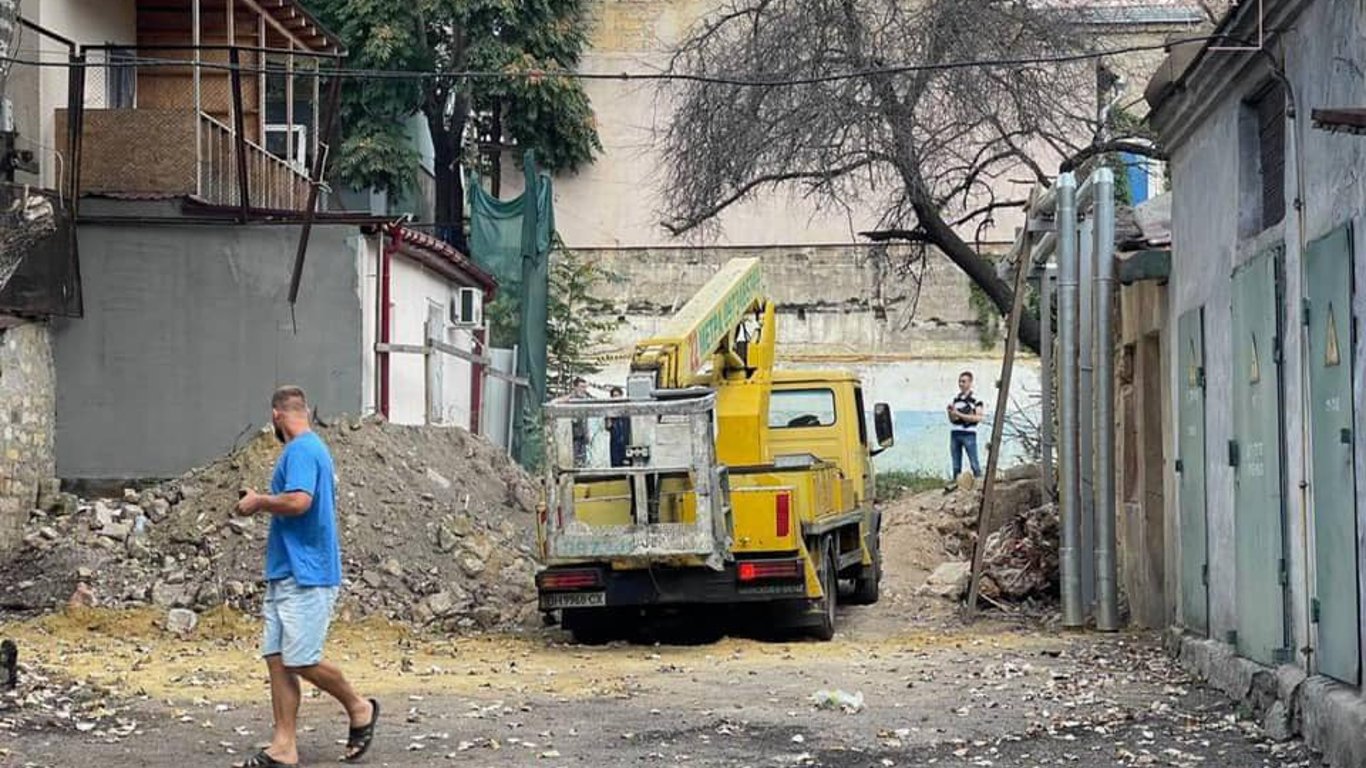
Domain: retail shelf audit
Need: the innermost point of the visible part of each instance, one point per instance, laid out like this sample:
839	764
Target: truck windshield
801	408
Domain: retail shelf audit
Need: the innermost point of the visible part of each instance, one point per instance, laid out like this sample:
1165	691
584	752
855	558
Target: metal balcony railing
184	120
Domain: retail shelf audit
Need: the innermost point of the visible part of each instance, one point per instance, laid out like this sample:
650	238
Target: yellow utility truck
722	482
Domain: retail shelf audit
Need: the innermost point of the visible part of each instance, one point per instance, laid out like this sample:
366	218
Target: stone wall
27	398
833	300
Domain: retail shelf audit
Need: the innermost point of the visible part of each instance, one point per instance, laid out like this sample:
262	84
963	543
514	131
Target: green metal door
1190	457
1328	280
1255	454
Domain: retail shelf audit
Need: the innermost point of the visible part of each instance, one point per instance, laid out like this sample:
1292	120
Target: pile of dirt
932	536
437	527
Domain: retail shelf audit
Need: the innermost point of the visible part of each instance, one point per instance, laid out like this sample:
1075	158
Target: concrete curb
1328	715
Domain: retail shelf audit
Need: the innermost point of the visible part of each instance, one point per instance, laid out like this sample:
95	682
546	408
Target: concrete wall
27	397
1325	52
832	299
187	330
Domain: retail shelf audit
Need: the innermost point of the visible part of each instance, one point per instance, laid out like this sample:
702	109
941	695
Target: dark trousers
960	443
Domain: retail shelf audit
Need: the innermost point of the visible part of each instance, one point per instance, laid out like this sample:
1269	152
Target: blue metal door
1190	458
1255	453
1328	281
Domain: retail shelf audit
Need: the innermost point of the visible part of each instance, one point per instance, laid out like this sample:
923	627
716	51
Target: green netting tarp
511	239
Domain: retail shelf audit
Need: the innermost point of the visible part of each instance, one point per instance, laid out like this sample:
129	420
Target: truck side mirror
882	426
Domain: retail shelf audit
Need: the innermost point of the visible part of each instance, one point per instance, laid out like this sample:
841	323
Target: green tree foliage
471	119
579	320
381	35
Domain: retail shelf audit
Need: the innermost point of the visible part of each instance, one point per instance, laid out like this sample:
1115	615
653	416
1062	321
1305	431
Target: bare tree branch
884	122
1107	147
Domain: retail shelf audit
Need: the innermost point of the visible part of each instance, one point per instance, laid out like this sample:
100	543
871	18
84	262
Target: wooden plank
984	512
473	357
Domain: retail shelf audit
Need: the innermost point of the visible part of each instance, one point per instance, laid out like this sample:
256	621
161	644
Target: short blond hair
289	398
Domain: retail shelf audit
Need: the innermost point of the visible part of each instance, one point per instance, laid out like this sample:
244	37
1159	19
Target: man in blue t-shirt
303	574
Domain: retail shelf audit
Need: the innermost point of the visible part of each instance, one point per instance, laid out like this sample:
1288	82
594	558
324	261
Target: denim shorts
296	621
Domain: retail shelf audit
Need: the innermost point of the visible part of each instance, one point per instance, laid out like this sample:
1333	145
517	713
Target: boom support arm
708	343
704	330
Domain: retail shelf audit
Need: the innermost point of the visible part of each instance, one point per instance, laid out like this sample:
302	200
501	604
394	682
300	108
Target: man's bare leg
328	677
284	702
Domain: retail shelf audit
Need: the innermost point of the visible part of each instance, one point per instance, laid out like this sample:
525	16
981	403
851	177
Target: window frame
834	408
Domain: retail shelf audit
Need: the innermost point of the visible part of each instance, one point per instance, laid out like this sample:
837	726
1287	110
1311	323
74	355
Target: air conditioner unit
467	308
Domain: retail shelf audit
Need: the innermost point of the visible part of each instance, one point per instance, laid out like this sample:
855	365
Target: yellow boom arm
709	331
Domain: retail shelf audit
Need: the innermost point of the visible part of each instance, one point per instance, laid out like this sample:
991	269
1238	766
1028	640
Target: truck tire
824	629
589	627
868	586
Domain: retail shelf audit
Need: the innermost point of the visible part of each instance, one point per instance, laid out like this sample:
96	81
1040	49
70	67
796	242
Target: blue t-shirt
305	546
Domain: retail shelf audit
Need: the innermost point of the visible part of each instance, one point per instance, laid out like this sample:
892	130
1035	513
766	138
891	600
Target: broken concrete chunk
949	580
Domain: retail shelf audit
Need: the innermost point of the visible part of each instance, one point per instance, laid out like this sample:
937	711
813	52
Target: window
862	416
1267	113
121	79
801	408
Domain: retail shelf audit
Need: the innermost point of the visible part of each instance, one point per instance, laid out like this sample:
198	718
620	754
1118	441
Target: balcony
218	101
181	153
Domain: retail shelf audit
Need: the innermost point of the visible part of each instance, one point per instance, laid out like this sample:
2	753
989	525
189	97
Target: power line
534	74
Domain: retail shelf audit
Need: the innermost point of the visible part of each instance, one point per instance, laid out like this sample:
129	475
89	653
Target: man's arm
291	504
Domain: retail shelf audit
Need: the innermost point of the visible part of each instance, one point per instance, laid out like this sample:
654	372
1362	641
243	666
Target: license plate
573	600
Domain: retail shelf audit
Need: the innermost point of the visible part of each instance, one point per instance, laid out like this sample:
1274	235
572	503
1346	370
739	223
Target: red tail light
783	507
758	570
563	581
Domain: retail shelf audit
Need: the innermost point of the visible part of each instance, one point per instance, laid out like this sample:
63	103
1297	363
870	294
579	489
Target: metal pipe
1048	244
1086	412
1107	600
1046	383
1086	193
1069	487
45	32
1047	203
198	104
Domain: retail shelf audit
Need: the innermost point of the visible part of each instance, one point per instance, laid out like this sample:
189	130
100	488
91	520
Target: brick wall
27	402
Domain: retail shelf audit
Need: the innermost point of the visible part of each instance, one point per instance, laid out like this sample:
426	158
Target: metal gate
1190	463
1255	454
1328	273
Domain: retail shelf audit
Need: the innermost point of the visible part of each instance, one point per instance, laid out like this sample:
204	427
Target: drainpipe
1107	602
1068	465
382	311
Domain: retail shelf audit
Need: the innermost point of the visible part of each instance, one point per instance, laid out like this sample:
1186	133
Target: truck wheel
869	584
824	630
588	628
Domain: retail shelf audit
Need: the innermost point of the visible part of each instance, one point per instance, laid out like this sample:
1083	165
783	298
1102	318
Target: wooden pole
984	513
239	129
315	181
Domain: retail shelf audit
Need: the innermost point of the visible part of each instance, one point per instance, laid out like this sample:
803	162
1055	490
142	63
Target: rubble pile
1021	556
437	528
953	513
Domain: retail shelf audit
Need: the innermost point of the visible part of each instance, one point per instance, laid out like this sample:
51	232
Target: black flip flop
359	739
263	759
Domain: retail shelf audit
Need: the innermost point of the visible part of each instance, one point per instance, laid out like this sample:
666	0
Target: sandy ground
1003	691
